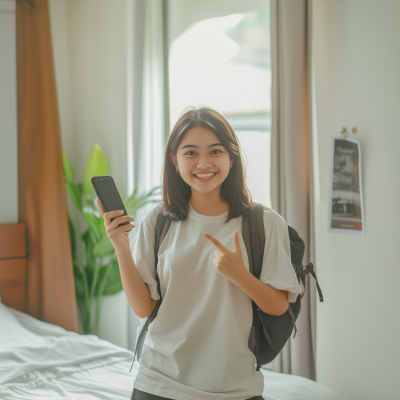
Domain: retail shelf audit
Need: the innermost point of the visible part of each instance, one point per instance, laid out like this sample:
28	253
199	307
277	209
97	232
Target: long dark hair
176	192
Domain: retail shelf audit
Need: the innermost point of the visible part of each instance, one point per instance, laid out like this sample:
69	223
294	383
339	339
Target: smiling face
201	152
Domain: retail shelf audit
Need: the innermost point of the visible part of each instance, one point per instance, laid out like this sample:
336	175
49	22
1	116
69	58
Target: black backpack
269	333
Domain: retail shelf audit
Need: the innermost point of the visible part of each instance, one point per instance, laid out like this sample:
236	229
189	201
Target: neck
209	204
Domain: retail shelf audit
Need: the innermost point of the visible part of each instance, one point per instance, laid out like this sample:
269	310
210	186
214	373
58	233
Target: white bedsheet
27	344
43	361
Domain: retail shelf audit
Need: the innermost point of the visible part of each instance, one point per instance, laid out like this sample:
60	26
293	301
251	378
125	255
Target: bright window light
225	63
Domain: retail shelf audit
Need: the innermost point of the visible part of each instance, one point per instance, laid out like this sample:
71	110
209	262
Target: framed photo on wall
346	210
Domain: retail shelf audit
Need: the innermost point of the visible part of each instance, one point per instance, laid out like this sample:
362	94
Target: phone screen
107	192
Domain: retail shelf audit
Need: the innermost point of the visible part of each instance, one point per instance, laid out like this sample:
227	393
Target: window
225	62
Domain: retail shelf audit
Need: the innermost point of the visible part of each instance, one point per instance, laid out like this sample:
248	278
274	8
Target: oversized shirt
197	346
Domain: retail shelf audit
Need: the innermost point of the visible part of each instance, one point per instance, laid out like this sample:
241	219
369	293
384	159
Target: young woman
197	346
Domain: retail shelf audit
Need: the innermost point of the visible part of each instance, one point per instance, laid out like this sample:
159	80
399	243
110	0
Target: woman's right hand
119	238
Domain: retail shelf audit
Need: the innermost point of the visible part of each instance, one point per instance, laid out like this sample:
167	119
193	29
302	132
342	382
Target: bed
39	360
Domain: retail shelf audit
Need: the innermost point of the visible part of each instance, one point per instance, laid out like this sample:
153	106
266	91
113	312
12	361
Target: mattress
44	361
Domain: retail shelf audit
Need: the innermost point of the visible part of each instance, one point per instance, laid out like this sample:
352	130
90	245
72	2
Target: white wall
8	116
90	55
357	84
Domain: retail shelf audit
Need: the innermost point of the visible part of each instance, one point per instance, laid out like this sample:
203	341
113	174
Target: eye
191	151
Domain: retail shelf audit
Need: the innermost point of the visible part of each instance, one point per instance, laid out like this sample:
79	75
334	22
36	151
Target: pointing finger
215	242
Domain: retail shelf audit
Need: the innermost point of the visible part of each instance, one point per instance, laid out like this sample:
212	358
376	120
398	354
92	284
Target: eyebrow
211	145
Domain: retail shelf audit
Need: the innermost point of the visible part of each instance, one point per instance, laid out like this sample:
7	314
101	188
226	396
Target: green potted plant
96	270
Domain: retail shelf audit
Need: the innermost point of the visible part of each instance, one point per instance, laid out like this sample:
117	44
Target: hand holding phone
111	207
118	235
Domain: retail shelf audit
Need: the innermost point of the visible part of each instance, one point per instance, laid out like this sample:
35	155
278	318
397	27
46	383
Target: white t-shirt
197	346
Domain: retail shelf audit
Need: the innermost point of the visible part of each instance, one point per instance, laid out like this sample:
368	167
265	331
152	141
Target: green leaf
134	203
75	194
114	283
94	230
96	165
102	272
72	236
130	200
92	208
89	210
79	286
104	247
80	187
90	258
68	169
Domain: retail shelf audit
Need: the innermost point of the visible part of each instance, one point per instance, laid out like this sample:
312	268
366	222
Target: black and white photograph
346	213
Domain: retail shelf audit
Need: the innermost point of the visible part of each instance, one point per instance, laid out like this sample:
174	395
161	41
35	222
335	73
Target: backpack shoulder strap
162	225
161	230
261	228
253	232
246	239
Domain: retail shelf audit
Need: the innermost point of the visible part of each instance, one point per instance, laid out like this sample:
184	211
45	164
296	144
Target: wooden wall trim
13	265
12	240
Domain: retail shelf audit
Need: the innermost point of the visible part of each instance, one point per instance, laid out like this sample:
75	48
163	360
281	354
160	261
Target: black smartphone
107	192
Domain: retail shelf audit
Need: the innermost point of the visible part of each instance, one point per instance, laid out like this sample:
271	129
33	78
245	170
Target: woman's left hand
229	263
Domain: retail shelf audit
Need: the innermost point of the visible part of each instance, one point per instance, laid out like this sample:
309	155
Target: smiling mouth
208	178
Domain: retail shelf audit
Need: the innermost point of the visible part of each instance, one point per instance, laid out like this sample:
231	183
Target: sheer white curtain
291	155
146	120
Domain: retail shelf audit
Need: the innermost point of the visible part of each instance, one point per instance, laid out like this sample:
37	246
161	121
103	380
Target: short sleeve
142	248
277	270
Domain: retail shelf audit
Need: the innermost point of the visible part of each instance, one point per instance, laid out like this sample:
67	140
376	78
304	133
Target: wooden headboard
13	264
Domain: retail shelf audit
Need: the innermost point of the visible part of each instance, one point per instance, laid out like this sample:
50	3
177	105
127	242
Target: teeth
205	175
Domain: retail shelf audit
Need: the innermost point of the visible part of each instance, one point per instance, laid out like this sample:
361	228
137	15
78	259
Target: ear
173	159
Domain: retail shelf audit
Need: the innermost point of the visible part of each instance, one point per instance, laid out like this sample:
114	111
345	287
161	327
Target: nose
204	163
